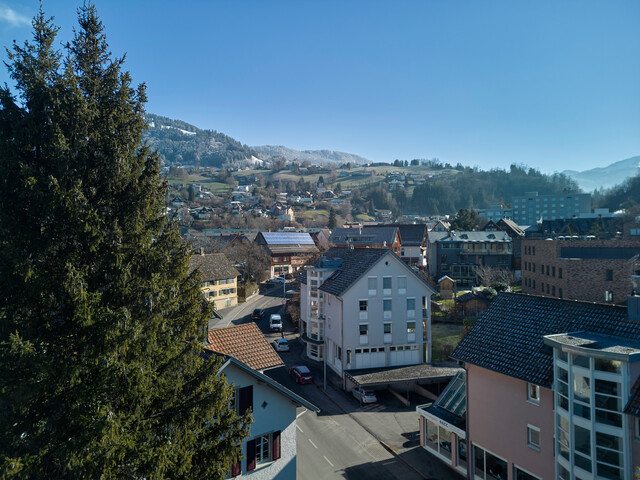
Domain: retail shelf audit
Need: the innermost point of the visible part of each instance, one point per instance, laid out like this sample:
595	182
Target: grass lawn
363	217
445	337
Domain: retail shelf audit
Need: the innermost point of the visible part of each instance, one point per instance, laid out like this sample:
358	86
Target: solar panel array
287	238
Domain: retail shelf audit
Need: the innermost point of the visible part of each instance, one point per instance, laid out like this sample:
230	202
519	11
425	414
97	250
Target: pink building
551	389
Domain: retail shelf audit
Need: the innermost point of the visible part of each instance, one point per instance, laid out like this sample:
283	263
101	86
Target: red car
301	374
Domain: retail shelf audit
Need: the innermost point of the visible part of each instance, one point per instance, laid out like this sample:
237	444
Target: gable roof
508	337
213	266
413	235
467	297
354	264
245	343
512	226
297	399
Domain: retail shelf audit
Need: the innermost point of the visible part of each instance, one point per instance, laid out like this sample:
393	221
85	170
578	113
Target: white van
275	323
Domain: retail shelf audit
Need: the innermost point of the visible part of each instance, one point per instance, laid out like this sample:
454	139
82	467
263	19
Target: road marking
299	429
328	461
311	441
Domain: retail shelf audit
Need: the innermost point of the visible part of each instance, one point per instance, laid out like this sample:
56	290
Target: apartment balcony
484	251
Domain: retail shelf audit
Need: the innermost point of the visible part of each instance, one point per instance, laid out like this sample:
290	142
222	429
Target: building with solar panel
288	251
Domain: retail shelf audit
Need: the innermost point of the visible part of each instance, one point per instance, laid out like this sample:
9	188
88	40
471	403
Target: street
345	439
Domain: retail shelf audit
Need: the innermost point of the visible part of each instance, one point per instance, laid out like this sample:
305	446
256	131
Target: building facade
580	269
364	308
288	251
531	207
552	391
219	278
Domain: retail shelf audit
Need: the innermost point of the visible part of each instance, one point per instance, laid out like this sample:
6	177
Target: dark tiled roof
355	263
633	407
508	337
513	226
245	343
413	234
213	266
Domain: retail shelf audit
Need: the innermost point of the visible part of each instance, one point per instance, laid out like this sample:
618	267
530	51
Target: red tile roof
245	343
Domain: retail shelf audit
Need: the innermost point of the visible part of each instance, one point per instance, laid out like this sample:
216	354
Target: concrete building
495	212
580	269
364	308
531	207
551	390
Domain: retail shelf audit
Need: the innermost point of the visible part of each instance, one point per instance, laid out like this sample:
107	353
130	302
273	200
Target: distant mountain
180	143
606	177
313	156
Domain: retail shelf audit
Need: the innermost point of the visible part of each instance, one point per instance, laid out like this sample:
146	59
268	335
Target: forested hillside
180	143
624	196
473	188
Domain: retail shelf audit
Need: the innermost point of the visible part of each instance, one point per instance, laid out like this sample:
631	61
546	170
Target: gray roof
368	235
463	236
413	234
382	376
354	263
213	266
433	237
508	337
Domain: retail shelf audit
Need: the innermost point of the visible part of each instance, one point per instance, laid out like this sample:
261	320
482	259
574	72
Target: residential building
460	253
219	278
516	233
288	251
406	240
552	391
531	207
580	269
367	236
270	450
364	308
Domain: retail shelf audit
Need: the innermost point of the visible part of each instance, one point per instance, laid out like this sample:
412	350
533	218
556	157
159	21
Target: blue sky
551	84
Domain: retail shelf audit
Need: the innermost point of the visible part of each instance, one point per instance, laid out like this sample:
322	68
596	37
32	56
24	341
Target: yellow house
219	278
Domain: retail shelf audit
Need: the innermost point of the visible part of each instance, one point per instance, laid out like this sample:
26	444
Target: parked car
281	345
275	323
301	374
364	396
257	314
277	280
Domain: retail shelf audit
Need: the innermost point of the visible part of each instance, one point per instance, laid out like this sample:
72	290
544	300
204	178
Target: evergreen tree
101	326
333	221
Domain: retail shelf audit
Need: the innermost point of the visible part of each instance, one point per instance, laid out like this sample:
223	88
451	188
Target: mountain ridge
606	177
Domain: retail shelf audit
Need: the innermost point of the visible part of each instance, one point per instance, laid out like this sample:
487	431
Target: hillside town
507	350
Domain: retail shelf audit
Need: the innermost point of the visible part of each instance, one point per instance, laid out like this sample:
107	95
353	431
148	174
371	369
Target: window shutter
275	453
422	420
245	399
236	468
251	455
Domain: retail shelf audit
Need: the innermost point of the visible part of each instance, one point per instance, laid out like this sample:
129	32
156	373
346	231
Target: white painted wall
279	413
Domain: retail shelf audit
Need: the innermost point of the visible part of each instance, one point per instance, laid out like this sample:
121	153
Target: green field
445	337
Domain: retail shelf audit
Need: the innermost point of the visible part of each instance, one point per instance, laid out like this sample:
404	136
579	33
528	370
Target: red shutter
251	455
236	469
275	447
245	399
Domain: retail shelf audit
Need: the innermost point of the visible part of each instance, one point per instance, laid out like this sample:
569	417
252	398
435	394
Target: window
263	449
243	399
519	474
533	437
386	307
487	465
364	333
533	393
560	293
386	285
608	275
402	285
387	332
608	296
553	271
373	285
559	272
364	305
411	331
